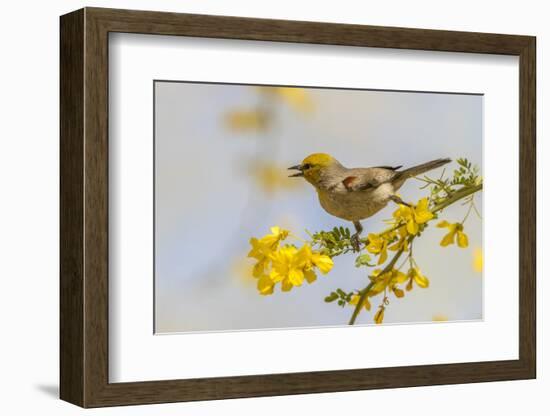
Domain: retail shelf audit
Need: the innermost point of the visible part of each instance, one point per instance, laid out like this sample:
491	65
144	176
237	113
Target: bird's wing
361	179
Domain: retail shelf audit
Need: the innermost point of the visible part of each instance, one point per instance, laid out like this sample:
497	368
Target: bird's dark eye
306	166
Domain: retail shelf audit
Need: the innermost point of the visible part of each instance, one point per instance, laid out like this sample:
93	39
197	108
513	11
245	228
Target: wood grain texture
527	208
84	207
71	213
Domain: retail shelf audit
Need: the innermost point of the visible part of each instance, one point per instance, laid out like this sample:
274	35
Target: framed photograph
257	207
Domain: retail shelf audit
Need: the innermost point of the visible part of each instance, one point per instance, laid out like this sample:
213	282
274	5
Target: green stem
365	291
457	196
460	194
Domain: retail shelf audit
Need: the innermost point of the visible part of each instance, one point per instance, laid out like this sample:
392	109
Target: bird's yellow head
313	166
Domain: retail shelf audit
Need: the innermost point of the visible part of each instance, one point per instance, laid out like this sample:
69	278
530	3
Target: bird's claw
399	201
354	240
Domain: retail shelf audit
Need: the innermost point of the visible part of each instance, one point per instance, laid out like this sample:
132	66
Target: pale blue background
208	204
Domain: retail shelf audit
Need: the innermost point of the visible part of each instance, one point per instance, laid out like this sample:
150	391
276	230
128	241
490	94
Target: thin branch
365	291
456	196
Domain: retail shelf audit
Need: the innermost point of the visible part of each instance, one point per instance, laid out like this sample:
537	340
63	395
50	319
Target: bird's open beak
296	175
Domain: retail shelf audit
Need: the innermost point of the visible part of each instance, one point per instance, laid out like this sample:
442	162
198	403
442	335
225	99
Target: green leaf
331	298
363	260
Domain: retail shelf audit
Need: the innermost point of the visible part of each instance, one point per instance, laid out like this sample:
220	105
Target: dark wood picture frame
84	207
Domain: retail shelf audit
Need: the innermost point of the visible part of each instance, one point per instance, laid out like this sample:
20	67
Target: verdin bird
357	193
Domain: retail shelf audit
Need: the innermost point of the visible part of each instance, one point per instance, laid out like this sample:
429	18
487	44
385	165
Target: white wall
29	205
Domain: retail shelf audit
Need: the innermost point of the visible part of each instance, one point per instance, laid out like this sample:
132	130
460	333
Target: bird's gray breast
356	205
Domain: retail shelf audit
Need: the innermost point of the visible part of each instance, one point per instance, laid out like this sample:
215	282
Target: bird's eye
306	166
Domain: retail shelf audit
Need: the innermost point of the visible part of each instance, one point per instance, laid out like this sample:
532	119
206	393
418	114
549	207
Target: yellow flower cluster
287	265
456	233
390	280
407	220
378	244
414	216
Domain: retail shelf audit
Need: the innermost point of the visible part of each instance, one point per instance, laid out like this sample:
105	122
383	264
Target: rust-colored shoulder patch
348	182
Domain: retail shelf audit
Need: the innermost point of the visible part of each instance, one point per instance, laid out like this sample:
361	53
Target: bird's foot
398	200
355	242
354	239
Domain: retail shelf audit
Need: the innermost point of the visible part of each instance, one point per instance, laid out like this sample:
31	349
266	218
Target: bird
355	194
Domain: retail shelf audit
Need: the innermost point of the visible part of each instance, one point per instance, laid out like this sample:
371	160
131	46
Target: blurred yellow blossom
440	318
297	98
478	260
271	177
414	215
247	120
243	271
456	232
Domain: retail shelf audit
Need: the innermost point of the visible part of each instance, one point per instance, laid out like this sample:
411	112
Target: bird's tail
420	169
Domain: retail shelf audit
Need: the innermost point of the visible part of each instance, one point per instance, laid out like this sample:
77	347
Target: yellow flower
260	252
414	216
288	268
378	245
291	266
478	260
277	234
402	243
415	275
263	248
247	120
355	300
397	292
456	232
379	315
380	282
304	257
440	318
265	285
389	279
310	259
286	265
323	262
